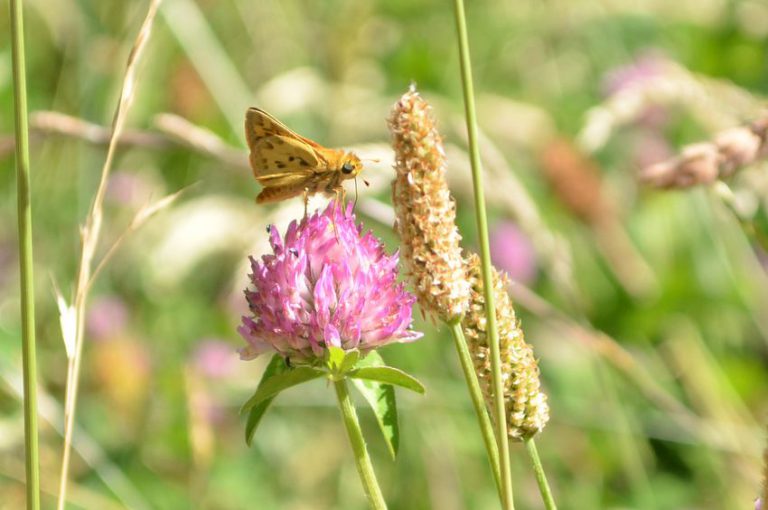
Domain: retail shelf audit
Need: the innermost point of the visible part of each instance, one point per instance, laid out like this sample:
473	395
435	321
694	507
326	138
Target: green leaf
270	387
276	366
381	398
388	375
372	359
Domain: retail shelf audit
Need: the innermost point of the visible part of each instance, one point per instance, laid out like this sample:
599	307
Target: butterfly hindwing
277	193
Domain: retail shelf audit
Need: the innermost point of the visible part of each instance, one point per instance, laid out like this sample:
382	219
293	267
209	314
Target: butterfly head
350	166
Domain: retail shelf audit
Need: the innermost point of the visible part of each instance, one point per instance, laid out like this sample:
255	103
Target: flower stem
25	257
486	427
485	256
362	459
541	477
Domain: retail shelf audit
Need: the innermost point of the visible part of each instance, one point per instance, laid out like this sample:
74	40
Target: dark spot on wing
280	164
291	158
280	141
268	146
303	163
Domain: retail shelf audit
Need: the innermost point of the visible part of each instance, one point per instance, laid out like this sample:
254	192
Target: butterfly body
287	164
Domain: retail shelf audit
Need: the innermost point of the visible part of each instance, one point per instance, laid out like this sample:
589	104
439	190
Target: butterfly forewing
259	124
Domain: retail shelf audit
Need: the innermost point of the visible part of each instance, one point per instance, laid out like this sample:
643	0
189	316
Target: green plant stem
541	477
24	198
485	256
484	421
362	459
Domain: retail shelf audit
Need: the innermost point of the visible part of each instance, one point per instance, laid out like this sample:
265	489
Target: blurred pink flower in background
128	188
513	253
649	144
107	317
646	66
214	358
327	284
644	69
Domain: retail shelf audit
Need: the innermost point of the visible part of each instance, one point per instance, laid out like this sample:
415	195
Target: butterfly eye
347	168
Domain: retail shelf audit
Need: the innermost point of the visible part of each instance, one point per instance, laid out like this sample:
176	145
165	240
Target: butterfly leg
306	200
354	204
338	202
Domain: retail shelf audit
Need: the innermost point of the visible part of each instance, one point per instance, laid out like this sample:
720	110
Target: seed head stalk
485	256
476	394
541	477
25	257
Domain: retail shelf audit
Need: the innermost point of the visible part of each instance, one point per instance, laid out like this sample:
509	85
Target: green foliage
388	375
381	398
276	366
277	382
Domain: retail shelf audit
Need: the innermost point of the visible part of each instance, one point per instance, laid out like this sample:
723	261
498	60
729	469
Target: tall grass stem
485	256
476	394
356	440
26	266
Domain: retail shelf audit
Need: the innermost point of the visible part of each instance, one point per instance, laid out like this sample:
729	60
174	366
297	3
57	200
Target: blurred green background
648	310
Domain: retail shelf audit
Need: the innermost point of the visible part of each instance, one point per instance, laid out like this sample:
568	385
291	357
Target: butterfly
287	164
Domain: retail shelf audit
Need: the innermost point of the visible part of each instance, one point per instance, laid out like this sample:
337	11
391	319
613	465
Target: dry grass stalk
200	139
90	236
526	404
57	123
425	211
173	130
705	162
